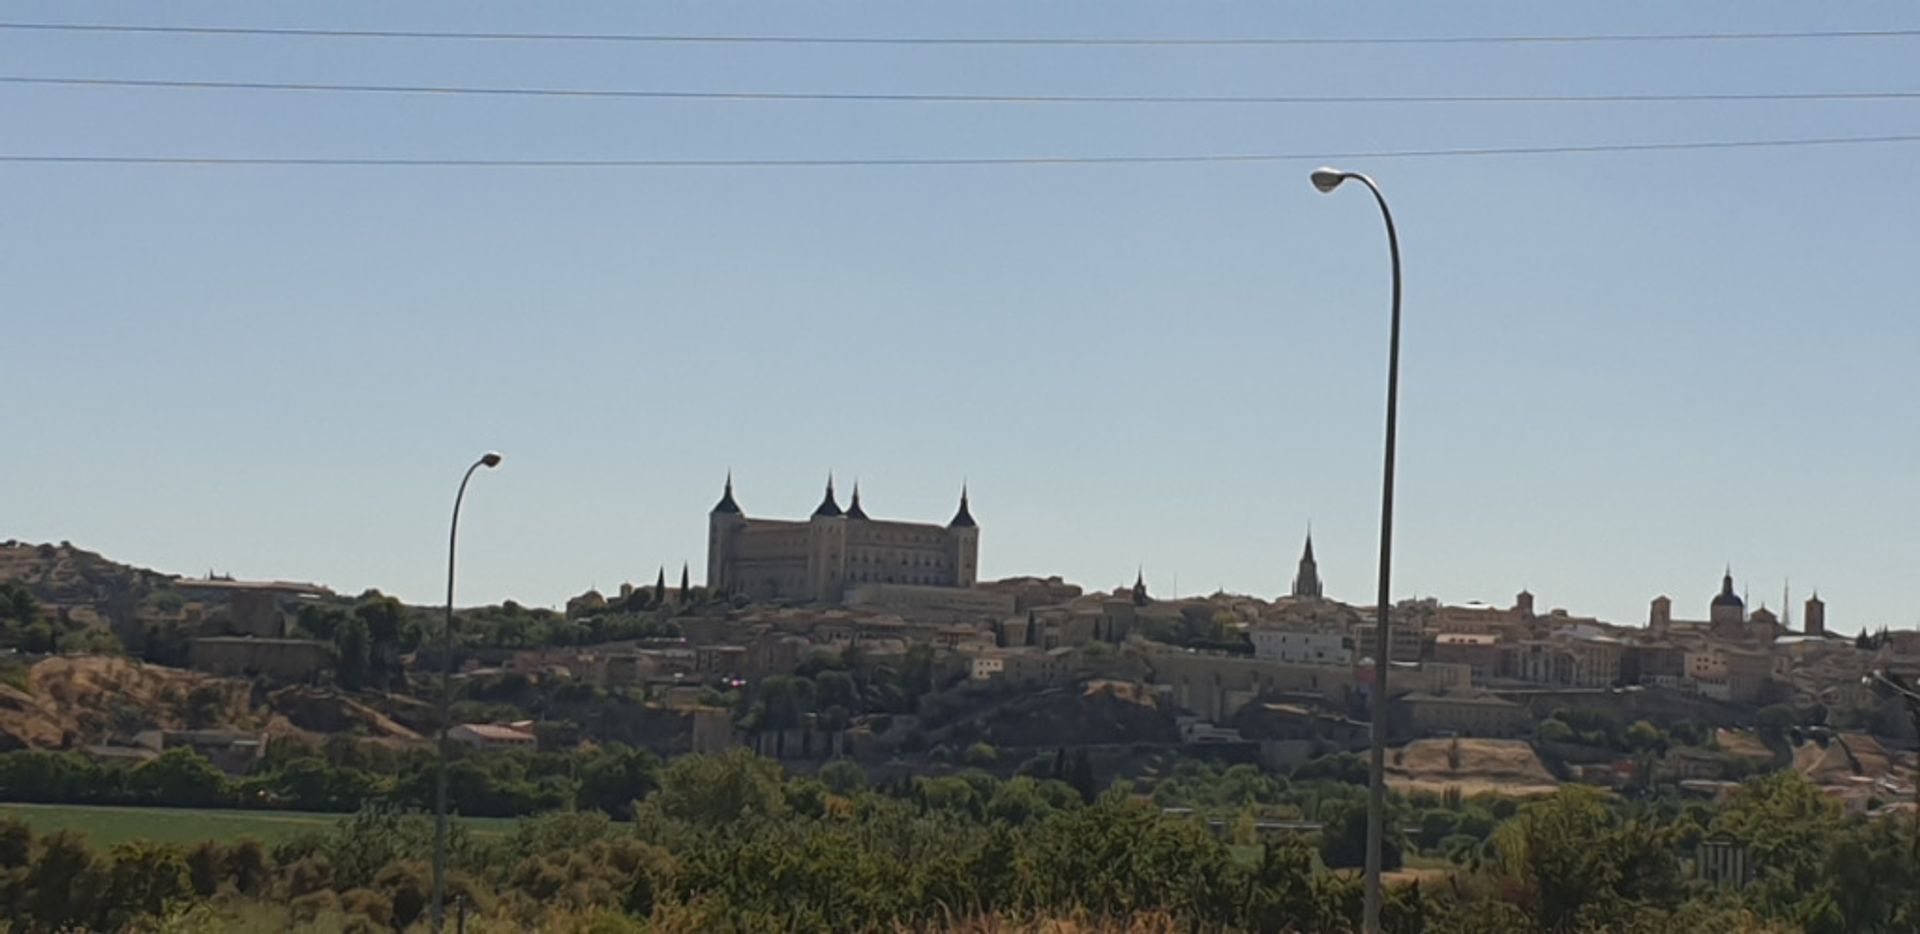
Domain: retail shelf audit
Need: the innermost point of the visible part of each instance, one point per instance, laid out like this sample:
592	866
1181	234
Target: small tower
1815	618
853	509
1306	580
1523	604
1660	616
963	540
1140	597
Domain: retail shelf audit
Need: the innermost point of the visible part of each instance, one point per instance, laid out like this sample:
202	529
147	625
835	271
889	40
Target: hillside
79	581
1475	766
73	701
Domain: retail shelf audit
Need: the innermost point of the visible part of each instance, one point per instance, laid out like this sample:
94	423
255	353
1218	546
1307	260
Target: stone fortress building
835	550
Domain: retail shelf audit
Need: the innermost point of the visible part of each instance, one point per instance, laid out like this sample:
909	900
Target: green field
105	826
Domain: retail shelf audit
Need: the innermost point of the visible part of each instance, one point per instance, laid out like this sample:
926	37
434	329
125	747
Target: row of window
866	578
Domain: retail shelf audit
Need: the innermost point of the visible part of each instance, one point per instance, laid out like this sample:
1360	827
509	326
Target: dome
1727	599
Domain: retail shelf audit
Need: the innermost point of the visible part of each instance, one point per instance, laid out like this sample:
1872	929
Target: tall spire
1140	597
1306	581
964	518
853	509
726	505
686	582
828	508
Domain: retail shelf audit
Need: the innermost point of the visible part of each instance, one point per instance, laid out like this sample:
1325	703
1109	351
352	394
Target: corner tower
963	542
723	531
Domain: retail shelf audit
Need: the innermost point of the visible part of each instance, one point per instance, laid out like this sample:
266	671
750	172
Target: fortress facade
833	551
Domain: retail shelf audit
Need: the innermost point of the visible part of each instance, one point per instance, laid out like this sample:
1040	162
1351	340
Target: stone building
1427	714
275	659
821	558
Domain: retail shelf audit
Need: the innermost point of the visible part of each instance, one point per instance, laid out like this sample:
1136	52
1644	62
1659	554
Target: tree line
733	842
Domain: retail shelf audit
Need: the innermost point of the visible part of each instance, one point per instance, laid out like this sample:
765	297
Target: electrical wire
329	161
960	98
722	39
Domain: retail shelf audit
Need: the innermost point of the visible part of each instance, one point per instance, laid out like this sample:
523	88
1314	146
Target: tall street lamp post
489	459
1327	180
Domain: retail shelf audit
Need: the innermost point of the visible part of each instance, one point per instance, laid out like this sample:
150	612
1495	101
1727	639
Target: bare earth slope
83	700
1501	766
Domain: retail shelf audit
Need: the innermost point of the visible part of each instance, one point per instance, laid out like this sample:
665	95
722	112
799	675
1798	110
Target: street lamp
1326	180
1884	682
489	459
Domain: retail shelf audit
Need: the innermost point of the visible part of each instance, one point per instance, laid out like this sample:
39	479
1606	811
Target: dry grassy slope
1506	766
80	700
92	699
68	576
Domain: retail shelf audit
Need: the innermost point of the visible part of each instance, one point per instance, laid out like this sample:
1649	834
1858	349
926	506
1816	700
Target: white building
1302	647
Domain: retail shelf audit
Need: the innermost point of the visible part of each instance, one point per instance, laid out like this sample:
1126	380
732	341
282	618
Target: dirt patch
1475	766
318	710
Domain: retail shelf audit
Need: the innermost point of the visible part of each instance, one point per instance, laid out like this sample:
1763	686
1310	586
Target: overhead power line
721	39
962	98
329	161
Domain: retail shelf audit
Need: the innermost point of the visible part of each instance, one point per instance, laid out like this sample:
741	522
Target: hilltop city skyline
1622	370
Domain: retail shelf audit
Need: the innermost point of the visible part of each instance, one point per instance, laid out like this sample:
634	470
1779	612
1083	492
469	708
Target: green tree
64	886
843	777
179	778
1786	823
1643	736
617	776
1343	836
144	879
1578	867
714	790
355	649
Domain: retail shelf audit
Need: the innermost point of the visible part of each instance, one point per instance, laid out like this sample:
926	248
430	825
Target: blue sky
1621	371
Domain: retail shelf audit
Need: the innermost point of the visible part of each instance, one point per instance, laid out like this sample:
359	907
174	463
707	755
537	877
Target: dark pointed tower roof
1140	597
1306	580
964	518
853	509
1727	597
828	507
726	505
686	580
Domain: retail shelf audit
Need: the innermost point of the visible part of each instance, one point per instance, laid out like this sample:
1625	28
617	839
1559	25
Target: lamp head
1327	179
491	459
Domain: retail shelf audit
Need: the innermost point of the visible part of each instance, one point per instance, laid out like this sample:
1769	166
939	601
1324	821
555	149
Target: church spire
828	507
1140	597
853	509
964	518
1306	581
